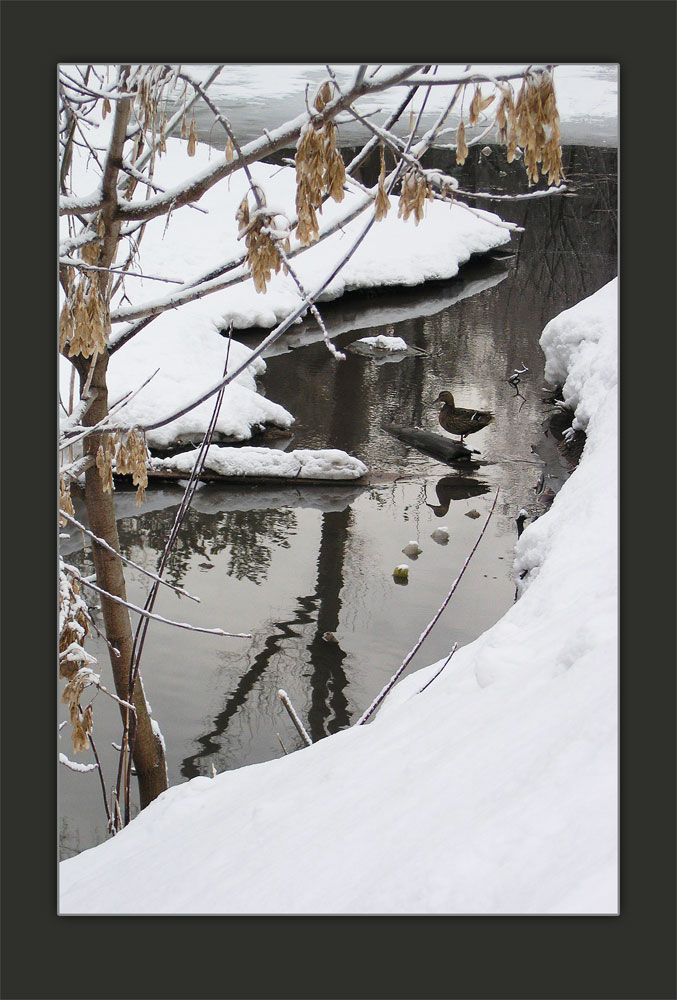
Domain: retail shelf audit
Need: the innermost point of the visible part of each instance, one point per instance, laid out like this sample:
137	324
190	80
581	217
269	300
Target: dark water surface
290	564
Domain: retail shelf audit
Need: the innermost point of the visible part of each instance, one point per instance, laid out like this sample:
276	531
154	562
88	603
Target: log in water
432	444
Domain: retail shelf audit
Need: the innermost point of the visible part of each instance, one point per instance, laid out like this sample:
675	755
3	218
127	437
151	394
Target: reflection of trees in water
328	712
210	743
569	243
329	706
249	536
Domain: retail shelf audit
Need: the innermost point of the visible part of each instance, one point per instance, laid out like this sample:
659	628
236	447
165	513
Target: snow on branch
475	76
74	766
285	135
119	555
73	571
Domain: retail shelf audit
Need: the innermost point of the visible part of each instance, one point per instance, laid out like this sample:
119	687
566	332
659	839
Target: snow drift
492	791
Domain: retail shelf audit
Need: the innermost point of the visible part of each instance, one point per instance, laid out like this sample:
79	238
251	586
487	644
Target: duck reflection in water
450	488
456	420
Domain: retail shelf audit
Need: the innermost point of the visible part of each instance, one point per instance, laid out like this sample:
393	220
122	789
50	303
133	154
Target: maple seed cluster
128	451
81	719
319	170
538	128
262	254
83	322
74	663
415	190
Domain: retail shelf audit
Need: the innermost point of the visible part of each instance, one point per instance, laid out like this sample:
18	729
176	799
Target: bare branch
474	76
193	189
84	266
147	614
438	672
130	562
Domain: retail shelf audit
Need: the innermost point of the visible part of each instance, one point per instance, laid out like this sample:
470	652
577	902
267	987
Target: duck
459	421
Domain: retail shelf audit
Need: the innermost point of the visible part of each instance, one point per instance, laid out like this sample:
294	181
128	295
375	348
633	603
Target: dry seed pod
106	108
66	325
65	501
323	96
230	151
192	139
242	215
473	115
382	202
461	147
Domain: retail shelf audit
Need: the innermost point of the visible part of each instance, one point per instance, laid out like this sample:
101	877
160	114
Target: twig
284	698
84	266
142	629
102	424
103	783
147	614
438	672
426	632
109	548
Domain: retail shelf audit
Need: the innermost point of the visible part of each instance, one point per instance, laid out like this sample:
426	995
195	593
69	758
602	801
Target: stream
292	563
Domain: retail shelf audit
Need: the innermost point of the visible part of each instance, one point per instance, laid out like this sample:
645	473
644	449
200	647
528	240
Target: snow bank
581	356
301	464
492	791
186	345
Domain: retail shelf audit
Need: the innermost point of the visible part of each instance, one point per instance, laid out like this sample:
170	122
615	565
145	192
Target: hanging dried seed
382	203
461	147
106	108
230	151
323	96
192	139
473	115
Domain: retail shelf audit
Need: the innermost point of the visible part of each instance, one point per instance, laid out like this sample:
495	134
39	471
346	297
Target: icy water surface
291	564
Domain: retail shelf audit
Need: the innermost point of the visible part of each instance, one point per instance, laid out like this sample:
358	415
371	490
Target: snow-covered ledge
267	463
494	790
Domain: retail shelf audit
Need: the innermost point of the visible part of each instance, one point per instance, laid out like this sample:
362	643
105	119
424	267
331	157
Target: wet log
208	476
432	444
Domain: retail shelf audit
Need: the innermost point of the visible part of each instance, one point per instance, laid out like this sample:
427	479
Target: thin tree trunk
149	756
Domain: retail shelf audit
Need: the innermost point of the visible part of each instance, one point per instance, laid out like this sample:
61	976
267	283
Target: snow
75	766
329	463
580	355
493	790
587	94
186	344
382	343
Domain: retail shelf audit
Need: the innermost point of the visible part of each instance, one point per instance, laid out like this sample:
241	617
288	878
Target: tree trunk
149	755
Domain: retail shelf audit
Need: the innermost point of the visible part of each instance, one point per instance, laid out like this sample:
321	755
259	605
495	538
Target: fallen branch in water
284	698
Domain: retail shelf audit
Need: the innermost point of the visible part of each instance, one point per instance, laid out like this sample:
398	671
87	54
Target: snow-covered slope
185	343
492	791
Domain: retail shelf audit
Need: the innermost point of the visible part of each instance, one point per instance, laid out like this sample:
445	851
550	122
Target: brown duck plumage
459	421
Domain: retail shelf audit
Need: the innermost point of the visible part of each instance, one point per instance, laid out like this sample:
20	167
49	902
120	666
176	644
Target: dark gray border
630	956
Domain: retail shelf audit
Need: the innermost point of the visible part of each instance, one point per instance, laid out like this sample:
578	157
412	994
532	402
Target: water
291	564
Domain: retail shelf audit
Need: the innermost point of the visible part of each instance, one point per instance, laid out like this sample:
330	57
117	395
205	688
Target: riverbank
494	790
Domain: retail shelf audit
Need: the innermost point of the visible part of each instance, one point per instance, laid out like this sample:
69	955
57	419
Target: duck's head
445	397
